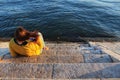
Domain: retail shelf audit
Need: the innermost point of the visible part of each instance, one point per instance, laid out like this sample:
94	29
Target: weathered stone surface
112	54
7	56
33	59
84	45
109	48
60	71
110	79
112	46
64	53
59	48
48	53
67	46
70	59
86	70
58	79
60	52
87	48
63	44
111	71
3	51
10	70
114	59
19	59
45	79
72	52
50	56
44	59
97	58
91	49
96	52
48	59
62	61
87	79
4	44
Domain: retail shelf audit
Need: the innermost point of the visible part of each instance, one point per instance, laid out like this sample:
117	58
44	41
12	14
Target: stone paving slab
59	48
97	58
86	70
63	43
52	45
43	59
72	52
33	59
109	48
49	53
64	54
113	46
62	61
57	79
3	51
10	70
70	59
84	45
44	79
50	56
112	54
94	71
4	44
110	79
91	49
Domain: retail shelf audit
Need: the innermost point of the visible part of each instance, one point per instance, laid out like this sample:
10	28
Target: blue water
61	19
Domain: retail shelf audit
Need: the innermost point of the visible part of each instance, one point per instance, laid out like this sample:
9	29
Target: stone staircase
62	61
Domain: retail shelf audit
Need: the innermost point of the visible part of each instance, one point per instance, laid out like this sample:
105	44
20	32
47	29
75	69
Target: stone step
87	70
78	49
43	59
60	71
113	46
63	53
66	46
60	57
97	58
110	48
52	56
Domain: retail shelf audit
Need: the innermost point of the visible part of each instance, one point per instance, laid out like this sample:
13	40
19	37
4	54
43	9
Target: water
61	19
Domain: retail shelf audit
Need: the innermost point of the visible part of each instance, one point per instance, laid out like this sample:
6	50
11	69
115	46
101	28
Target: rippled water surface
58	19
